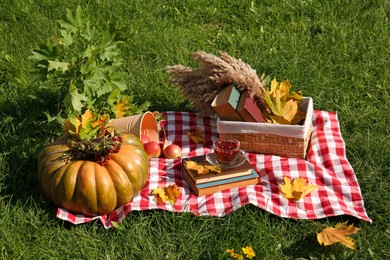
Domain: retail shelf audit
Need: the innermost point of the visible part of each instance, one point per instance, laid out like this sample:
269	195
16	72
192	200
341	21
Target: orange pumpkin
87	187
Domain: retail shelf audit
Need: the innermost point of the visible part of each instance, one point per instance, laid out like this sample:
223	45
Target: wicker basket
281	140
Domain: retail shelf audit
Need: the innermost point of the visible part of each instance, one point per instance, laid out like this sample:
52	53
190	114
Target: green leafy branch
86	62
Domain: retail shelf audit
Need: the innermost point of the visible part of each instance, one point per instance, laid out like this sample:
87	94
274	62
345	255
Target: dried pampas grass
201	85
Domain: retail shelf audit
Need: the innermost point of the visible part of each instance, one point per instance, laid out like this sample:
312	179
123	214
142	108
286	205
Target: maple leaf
201	168
86	118
172	192
338	234
283	104
191	165
122	107
296	189
196	136
56	65
75	125
100	121
169	194
213	168
160	195
72	125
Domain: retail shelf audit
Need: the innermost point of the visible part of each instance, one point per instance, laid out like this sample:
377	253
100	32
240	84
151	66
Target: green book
225	103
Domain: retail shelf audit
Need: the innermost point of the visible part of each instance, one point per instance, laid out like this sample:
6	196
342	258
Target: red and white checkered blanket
338	191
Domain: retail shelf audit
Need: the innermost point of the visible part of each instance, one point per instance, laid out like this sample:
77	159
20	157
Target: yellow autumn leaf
100	121
282	108
86	118
172	192
284	89
338	234
201	168
274	86
289	110
299	117
72	125
280	90
295	95
122	106
296	189
213	168
191	165
196	136
169	194
283	104
160	195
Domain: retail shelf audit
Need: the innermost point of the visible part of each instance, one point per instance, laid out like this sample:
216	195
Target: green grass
334	51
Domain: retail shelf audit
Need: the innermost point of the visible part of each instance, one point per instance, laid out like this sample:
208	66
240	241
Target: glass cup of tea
226	150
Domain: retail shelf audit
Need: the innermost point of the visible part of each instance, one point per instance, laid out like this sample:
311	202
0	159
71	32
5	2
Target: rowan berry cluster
98	149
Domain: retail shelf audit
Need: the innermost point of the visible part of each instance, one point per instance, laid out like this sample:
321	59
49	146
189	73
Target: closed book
242	170
213	187
248	109
225	103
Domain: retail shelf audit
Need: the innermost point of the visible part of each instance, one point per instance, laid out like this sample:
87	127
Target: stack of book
211	182
232	105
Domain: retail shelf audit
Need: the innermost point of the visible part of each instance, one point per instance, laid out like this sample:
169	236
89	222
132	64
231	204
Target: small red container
226	150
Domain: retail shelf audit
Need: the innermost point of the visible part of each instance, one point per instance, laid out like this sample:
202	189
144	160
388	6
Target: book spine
225	104
226	181
213	189
222	177
190	175
237	184
248	109
189	181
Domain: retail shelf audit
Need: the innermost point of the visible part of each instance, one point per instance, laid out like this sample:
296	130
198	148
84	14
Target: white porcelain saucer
240	159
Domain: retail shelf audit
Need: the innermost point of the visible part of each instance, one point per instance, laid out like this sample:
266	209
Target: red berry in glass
226	150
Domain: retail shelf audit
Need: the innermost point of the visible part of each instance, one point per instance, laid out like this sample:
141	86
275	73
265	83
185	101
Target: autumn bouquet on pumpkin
93	167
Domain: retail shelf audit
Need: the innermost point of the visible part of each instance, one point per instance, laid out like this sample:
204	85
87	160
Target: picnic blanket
338	191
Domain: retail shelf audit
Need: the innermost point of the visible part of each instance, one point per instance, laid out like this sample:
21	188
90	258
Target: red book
248	109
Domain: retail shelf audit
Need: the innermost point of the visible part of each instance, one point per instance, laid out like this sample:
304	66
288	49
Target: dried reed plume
202	85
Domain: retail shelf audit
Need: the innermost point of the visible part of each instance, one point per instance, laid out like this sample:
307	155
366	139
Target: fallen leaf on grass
116	225
338	234
169	193
296	189
196	136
